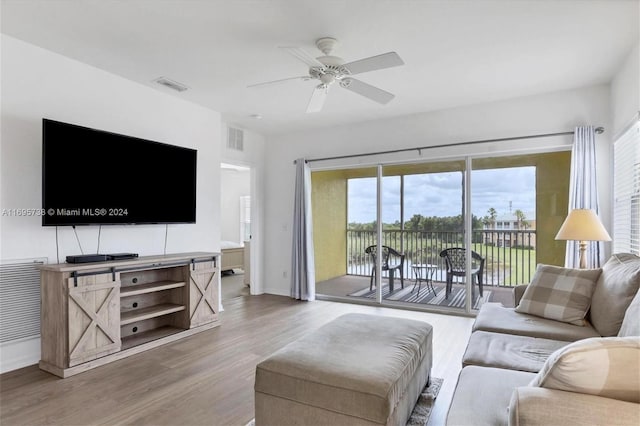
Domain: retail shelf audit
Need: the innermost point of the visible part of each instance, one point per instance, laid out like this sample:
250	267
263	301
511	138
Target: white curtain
583	192
303	282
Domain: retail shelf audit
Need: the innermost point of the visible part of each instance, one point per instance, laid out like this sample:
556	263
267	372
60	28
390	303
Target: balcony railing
510	255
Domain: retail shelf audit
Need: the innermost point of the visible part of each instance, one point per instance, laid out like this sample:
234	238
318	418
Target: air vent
171	84
235	139
19	299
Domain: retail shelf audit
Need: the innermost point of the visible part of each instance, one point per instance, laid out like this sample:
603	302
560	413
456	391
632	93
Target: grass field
511	266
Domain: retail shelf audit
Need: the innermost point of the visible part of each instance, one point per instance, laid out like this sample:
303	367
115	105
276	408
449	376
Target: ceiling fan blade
367	90
304	56
386	60
317	98
304	77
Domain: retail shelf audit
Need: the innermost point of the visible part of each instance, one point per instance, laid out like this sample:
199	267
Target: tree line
422	223
441	224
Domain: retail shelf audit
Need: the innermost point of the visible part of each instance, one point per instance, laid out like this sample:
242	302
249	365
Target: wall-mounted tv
94	177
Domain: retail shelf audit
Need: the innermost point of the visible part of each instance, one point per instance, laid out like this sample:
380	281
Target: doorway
235	230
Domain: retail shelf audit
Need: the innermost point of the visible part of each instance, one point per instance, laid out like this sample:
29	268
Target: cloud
440	194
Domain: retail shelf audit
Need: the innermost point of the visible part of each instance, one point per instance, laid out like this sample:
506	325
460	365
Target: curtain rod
598	130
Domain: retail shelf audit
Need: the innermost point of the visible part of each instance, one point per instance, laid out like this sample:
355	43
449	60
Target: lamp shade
583	225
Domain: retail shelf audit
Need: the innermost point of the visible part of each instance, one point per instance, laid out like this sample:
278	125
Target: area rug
456	298
422	410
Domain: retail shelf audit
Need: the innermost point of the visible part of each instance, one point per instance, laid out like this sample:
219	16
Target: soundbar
122	256
87	258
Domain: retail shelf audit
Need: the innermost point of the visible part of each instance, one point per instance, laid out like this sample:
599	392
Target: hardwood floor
205	379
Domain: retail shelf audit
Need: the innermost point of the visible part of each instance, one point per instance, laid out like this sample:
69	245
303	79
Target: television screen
93	177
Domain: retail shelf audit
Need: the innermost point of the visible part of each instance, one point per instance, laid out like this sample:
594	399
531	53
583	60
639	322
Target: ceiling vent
171	84
235	139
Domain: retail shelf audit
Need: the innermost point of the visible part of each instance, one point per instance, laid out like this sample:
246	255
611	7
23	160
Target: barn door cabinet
96	313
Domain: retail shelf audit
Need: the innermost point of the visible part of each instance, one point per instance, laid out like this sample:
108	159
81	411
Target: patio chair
391	260
455	259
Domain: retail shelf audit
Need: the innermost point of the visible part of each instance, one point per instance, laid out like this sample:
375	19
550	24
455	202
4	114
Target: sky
440	194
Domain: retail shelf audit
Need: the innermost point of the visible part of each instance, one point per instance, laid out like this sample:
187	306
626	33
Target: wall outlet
284	274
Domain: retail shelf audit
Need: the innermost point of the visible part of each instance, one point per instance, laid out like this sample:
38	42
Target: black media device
122	256
94	177
87	258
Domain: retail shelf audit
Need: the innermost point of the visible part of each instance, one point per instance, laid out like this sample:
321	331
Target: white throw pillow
603	366
561	294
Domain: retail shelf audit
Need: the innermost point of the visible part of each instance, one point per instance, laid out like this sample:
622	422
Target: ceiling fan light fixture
328	69
327	79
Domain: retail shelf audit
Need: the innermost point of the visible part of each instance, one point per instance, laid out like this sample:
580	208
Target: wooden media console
96	313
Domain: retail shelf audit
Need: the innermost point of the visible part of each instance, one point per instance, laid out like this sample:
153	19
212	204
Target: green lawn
519	264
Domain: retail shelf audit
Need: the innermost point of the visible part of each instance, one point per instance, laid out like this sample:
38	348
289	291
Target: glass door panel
344	227
519	203
426	219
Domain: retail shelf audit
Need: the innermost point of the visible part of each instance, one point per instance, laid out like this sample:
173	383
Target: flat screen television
94	177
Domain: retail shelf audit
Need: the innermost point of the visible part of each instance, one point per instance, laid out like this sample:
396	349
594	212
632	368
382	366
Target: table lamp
583	225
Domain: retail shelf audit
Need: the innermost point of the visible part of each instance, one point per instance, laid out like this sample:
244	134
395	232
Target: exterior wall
329	205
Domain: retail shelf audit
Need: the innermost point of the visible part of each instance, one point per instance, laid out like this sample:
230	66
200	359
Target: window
626	192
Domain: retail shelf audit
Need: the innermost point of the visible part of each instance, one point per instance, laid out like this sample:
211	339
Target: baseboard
19	353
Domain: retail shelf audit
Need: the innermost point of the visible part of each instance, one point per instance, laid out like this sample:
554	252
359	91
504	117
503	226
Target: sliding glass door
426	225
440	235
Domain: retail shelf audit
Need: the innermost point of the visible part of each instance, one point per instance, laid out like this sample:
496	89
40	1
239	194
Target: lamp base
583	257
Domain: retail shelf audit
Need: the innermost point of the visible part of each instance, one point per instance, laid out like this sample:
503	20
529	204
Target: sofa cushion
631	323
615	289
605	366
482	395
561	294
495	317
499	350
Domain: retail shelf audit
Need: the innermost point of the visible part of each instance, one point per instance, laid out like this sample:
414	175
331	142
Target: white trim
379	234
19	353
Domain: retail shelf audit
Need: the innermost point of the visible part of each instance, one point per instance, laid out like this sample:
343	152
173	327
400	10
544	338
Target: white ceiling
455	52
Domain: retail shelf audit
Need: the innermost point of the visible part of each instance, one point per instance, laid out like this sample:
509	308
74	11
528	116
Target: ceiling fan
330	69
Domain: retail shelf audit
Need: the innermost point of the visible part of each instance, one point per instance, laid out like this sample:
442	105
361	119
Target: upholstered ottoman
356	370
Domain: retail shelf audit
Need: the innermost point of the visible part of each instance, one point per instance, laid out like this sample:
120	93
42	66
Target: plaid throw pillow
603	366
560	294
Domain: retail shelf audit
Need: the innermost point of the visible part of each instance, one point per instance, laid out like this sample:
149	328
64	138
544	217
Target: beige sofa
524	369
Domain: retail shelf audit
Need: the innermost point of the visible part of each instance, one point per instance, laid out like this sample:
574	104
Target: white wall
37	83
233	185
547	113
625	91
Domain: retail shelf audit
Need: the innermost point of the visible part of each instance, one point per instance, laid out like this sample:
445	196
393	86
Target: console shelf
149	336
150	288
93	314
148	313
